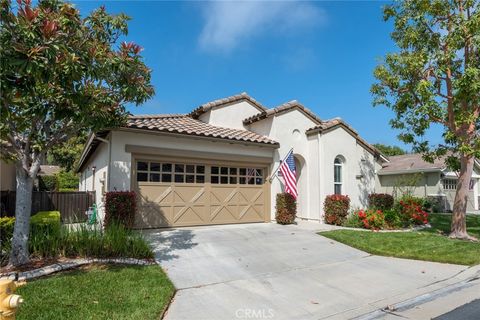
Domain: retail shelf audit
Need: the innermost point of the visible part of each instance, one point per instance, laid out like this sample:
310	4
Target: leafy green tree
434	78
67	155
389	150
61	74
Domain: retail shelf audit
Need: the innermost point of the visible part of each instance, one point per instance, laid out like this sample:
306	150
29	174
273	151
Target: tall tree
389	150
60	74
434	78
67	155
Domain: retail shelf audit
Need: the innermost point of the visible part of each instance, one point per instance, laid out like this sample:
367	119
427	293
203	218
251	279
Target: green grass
430	244
99	292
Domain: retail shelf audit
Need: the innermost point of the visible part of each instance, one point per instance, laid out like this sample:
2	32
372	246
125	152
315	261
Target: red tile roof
185	124
224	101
287	106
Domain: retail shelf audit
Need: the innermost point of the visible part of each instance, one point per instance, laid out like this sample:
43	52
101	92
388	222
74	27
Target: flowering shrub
336	209
380	201
412	212
120	207
286	208
371	218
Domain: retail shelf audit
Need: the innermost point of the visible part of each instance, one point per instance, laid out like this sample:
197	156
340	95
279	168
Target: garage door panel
209	195
189	216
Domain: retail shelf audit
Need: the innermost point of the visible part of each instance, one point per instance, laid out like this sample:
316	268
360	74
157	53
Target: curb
419	300
74	263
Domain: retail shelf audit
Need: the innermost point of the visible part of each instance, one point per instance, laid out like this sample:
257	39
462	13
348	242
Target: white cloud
228	24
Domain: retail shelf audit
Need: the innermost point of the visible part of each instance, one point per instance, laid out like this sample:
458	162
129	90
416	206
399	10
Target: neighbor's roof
287	106
410	163
46	170
226	101
184	124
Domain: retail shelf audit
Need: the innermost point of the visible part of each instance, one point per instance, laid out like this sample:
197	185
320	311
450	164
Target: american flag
287	168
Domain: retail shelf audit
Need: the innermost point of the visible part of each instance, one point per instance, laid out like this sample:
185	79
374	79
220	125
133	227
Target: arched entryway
301	171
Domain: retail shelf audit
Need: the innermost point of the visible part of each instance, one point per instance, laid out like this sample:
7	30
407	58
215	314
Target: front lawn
98	292
430	244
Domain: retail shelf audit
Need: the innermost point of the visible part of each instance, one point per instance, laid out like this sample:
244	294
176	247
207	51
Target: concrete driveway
268	271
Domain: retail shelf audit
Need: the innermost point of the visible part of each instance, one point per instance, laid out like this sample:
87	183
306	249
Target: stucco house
429	180
214	165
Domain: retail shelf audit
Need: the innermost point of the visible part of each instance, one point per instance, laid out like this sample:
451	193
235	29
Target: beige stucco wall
426	184
230	116
7	176
420	184
289	129
359	167
99	160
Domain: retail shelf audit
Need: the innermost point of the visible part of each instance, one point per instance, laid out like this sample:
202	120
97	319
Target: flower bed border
71	264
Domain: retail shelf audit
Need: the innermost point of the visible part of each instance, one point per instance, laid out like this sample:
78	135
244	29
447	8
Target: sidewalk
433	301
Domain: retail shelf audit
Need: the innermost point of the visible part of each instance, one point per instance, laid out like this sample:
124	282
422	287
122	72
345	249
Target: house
410	173
7	176
214	165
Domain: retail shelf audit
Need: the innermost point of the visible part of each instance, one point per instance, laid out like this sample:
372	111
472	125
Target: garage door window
149	171
233	175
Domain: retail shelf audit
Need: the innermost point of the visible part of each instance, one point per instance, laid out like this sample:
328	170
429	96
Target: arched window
337	175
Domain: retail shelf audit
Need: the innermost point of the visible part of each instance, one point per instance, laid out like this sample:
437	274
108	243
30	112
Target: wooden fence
72	205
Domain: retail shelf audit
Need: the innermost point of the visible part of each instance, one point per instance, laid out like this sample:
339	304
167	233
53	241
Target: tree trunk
23	206
459	216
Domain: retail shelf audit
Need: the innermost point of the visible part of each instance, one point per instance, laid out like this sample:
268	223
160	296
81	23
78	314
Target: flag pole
278	167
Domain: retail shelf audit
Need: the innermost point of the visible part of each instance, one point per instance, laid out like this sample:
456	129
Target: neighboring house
433	180
49	170
7	176
212	166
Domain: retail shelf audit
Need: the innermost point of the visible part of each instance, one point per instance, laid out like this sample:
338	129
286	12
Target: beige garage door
188	193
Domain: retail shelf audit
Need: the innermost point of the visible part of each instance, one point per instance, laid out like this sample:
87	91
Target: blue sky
320	53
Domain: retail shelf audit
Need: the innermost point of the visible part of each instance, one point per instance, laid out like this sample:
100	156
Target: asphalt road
469	311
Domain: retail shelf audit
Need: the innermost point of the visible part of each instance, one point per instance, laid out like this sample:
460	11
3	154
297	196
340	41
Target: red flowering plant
412	212
336	208
371	218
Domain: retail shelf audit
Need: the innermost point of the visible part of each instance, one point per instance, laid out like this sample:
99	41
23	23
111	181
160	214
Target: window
232	175
337	175
150	171
451	184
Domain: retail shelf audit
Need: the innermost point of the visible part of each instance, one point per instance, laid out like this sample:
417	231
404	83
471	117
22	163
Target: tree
389	150
67	155
60	74
434	78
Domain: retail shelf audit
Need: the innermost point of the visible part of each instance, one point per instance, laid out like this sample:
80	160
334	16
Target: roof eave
408	171
273	144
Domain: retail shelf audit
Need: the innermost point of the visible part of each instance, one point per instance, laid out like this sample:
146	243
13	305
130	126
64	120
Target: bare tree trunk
459	216
23	206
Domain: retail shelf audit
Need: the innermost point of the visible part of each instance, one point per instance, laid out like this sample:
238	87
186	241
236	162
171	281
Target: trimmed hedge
120	207
67	180
286	207
336	208
6	230
47	183
381	201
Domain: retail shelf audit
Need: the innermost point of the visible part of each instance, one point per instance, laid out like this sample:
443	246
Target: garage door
188	193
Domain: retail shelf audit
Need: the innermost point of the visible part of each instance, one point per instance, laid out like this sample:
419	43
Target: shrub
67	180
286	208
411	209
353	221
47	183
6	229
380	201
393	219
336	209
371	218
120	207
